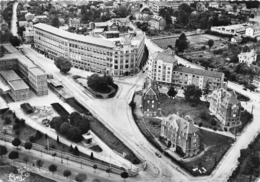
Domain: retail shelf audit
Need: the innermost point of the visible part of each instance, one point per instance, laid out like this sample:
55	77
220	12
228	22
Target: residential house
247	57
74	22
181	134
253	32
236	40
226	107
157	22
213	4
150	99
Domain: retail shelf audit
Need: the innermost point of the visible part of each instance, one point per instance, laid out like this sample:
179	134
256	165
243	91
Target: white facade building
252	31
247	57
118	57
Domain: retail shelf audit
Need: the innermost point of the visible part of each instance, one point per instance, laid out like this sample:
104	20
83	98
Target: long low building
19	89
117	57
32	74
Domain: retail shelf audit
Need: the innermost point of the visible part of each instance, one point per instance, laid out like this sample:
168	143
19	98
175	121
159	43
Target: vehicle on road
158	155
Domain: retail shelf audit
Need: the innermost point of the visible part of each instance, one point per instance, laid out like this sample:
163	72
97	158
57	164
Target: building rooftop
73	36
18	84
3	104
37	71
165	57
184	125
9	75
198	71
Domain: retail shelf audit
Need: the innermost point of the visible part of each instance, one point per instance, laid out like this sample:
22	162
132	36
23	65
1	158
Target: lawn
218	144
183	108
154	125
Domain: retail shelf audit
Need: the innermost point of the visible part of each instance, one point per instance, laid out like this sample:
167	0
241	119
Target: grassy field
154	125
218	145
195	40
183	108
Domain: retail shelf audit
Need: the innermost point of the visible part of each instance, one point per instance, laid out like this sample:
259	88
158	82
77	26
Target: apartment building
164	70
31	73
226	107
162	65
117	57
19	90
183	76
157	22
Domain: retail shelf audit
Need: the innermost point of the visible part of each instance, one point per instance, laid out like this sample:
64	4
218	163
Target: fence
66	156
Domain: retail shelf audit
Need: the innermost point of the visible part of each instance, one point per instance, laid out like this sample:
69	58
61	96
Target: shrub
32	138
213	122
7	120
38	135
99	96
16	127
214	128
200	124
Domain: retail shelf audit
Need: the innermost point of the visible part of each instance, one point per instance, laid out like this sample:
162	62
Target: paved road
75	168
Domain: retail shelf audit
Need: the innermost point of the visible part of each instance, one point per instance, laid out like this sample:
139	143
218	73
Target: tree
16	126
13	155
53	168
26	160
210	43
206	90
91	156
39	163
181	43
16	142
246	49
7	120
192	94
3	150
55	22
38	135
63	64
15	41
81	177
74	134
100	83
67	173
64	128
54	155
124	175
108	170
28	145
172	92
76	151
94	167
58	139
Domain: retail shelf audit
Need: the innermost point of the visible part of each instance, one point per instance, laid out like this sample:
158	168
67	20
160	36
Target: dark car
158	155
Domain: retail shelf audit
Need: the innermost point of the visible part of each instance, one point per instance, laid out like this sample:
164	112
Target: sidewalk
48	159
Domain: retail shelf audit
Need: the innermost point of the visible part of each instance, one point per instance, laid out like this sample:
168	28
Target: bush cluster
72	127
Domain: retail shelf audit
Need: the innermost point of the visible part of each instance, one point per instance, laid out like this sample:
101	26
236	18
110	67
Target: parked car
158	155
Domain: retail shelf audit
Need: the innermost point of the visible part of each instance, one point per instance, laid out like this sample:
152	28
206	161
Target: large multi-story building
31	74
183	76
181	134
157	22
161	66
226	107
114	56
164	70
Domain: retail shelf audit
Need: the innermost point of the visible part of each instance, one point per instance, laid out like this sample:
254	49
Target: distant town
127	90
